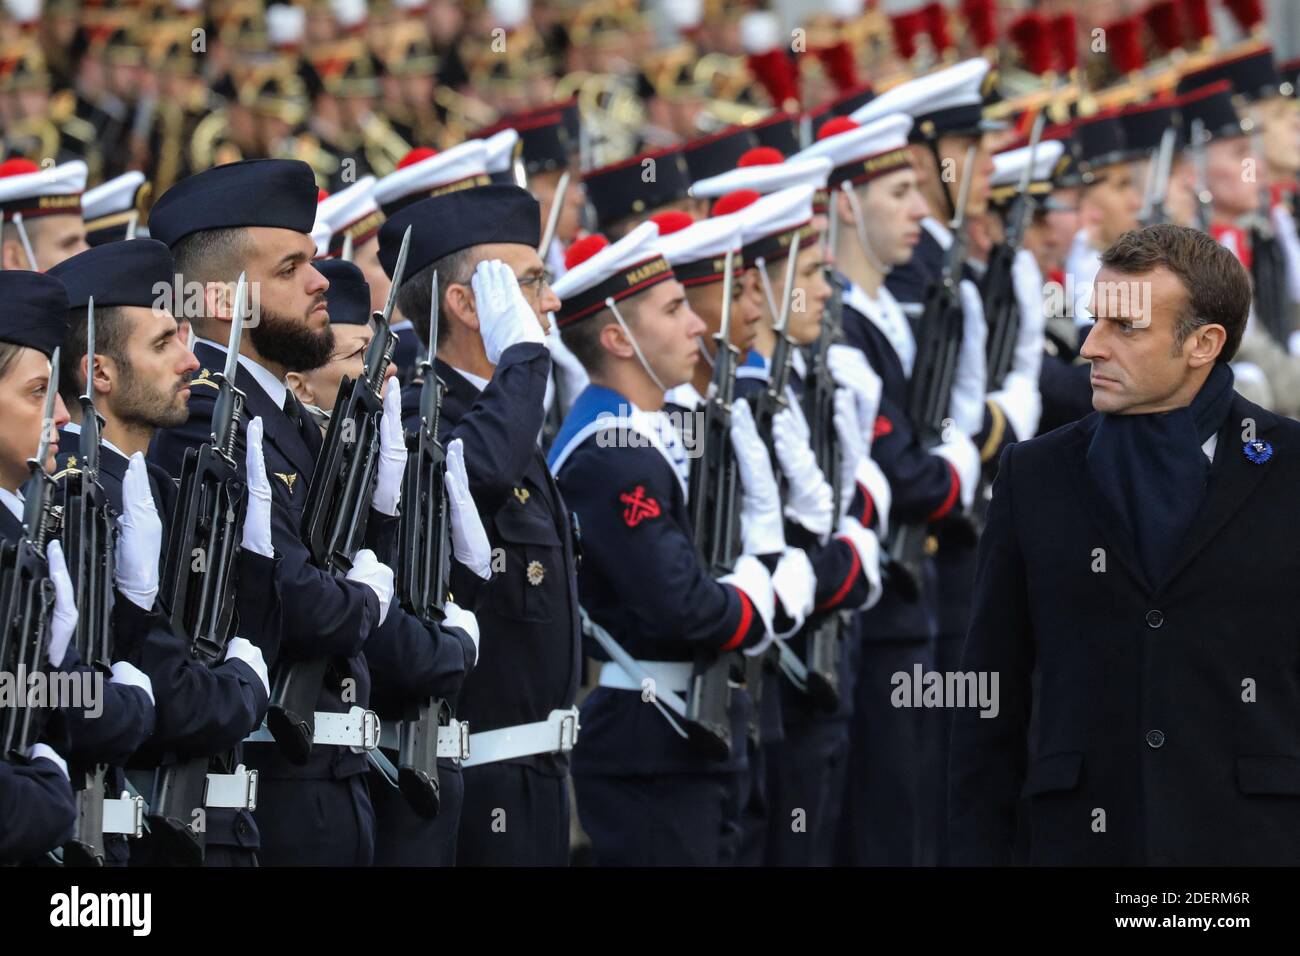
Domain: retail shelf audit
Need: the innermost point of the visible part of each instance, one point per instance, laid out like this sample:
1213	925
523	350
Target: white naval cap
697	251
770	224
502	148
1009	167
599	270
426	172
108	207
766	177
857	153
28	189
946	102
349	212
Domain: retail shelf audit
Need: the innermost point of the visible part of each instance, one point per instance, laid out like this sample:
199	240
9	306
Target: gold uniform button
931	545
535	573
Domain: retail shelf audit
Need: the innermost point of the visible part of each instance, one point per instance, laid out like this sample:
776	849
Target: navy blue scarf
1153	472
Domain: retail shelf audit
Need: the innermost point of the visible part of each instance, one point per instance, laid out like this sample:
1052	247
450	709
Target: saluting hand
504	316
392	452
469	540
257	519
139	539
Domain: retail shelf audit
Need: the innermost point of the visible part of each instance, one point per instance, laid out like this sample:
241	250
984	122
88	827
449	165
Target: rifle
937	351
89	534
1153	206
1204	200
553	217
715	525
424	570
335	515
1268	267
198	584
26	591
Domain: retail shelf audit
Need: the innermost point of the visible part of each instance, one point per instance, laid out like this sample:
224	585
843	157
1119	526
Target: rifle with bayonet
89	532
1204	199
198	583
423	574
1153	204
335	515
1268	266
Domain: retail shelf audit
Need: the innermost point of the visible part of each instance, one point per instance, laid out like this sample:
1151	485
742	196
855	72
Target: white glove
761	531
852	447
795	584
139	539
469	542
961	453
1020	402
810	501
456	616
850	370
504	316
257	519
241	649
967	402
63	620
131	676
867	545
392	452
752	578
374	574
46	752
1027	282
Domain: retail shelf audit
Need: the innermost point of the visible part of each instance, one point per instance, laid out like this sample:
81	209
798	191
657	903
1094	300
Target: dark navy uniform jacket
528	611
1173	704
36	809
642	580
323	615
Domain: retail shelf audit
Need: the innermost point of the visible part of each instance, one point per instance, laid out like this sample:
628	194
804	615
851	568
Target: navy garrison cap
33	310
348	297
455	221
280	193
136	272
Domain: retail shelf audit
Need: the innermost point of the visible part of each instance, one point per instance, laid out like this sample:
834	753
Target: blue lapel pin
1257	451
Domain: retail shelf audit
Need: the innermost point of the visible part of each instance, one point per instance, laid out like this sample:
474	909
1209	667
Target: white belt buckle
232	791
568	728
358	729
124	815
453	740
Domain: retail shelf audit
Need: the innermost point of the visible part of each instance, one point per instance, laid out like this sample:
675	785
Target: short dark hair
209	255
583	337
1218	288
111	332
415	297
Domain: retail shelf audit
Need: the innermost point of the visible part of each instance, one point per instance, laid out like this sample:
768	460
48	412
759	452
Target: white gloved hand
469	541
961	453
242	649
852	447
139	539
867	545
810	501
46	752
129	675
504	316
374	574
761	530
752	578
63	620
1027	283
850	370
392	452
794	583
456	616
966	405
257	519
1021	403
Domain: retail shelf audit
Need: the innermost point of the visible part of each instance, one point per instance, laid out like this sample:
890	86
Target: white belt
453	739
358	730
232	791
672	676
124	814
556	734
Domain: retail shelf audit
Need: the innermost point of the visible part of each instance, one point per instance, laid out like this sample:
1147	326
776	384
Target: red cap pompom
1029	34
981	17
1065	41
321	195
760	156
671	221
835	126
416	155
936	24
18	167
584	249
1124	43
734	202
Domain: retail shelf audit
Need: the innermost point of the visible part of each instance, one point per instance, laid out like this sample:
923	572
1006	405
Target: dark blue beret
256	192
455	221
131	272
348	297
35	310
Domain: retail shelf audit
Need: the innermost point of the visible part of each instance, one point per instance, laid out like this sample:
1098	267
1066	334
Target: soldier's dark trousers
315	822
803	806
661	819
513	815
403	837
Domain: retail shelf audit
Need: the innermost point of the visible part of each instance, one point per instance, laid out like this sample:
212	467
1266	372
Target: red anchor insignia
639	506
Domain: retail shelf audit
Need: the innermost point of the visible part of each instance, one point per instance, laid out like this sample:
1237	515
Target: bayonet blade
47	415
236	327
399	271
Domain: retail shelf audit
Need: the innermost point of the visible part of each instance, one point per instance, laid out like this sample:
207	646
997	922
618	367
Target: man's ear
106	374
1206	344
460	305
12	254
615	341
218	299
300	387
843	208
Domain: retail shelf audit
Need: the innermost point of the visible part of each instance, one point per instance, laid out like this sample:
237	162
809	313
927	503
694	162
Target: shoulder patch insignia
65	473
287	479
640	507
204	377
882	427
521	495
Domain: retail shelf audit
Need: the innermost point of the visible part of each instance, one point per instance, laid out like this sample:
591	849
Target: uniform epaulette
204	377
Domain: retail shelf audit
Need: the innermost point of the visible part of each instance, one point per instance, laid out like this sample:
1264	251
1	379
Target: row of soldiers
725	460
